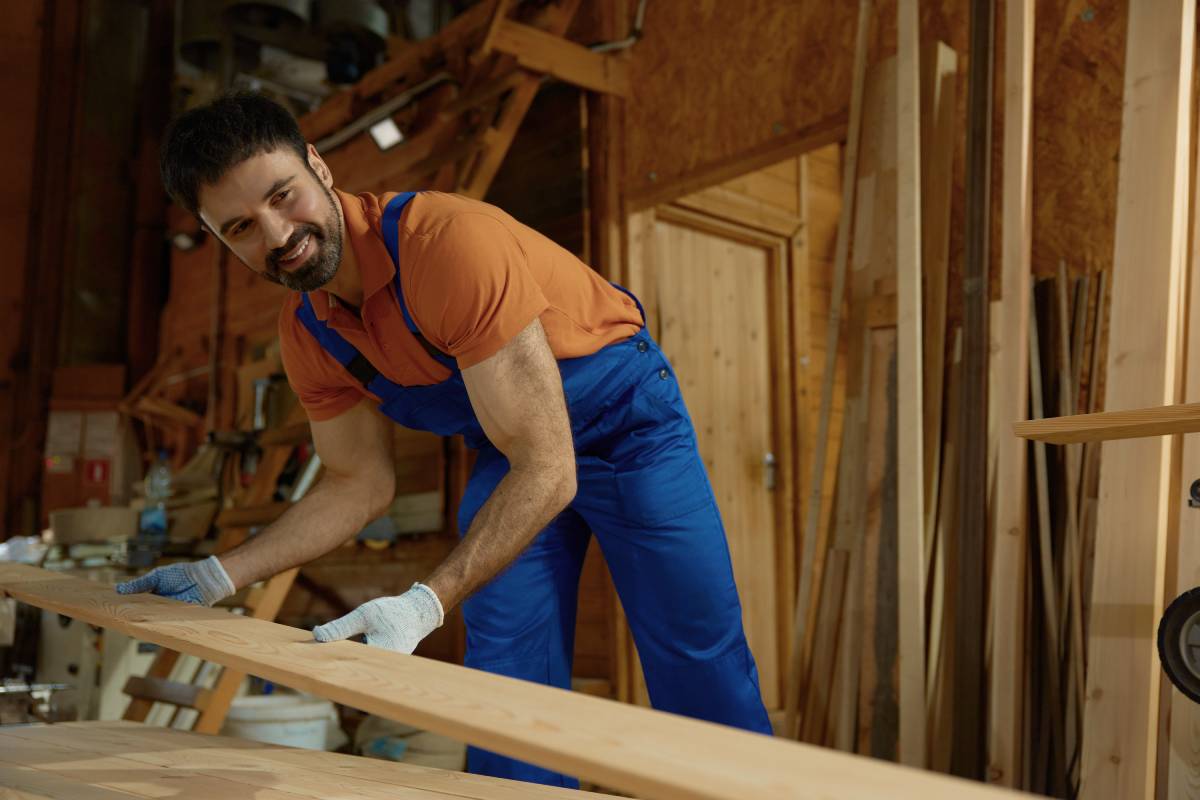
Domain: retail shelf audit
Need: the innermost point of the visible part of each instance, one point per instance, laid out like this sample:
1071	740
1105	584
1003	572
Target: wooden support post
911	463
1120	736
1010	401
821	442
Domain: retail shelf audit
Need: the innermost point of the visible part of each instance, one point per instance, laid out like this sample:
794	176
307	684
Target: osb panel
1079	68
717	81
713	80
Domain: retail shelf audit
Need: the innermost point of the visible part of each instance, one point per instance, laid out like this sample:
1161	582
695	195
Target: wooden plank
540	51
910	413
1106	426
166	691
1182	781
1009	399
1121	720
833	329
969	548
633	749
253	766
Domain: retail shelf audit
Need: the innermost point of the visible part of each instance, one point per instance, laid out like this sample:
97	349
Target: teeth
298	251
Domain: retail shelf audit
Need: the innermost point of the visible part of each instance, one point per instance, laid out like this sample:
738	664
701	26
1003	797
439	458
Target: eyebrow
275	187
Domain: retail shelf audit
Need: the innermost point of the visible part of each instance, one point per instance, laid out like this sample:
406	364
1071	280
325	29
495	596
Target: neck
347	283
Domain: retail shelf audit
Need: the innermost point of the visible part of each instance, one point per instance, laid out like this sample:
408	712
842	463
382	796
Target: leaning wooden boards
652	754
1121	717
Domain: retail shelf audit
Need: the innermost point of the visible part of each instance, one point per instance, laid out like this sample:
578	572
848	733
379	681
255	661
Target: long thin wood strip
1072	601
652	754
833	328
970	710
1183	770
1121	719
1010	399
911	461
1053	648
1106	426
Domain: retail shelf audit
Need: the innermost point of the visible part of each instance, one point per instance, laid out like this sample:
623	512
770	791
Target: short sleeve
472	290
323	386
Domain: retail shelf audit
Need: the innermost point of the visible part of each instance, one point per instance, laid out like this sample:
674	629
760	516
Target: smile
297	253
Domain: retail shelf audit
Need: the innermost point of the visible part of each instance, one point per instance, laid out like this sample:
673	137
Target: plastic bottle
158	481
153	521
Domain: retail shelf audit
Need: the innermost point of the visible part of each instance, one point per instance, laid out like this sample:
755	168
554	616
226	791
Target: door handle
769	471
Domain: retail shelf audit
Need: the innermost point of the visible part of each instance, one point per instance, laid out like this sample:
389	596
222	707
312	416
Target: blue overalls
644	493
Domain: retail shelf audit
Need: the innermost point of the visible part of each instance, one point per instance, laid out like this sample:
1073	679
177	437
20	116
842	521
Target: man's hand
393	623
199	582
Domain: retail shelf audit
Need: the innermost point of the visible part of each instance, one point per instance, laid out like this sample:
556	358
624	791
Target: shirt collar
361	213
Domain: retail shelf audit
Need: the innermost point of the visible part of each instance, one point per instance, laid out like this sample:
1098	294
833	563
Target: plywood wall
717	83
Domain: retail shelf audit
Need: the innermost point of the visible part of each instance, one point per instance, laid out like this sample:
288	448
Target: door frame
787	291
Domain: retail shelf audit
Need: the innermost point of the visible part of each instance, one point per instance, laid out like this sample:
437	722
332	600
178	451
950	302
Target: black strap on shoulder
363	370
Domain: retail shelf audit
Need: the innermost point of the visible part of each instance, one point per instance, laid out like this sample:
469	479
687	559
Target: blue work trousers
644	493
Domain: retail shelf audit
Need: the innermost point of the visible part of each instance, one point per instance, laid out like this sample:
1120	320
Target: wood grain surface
652	754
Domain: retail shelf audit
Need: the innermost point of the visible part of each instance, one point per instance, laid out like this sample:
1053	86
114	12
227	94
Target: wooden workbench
123	760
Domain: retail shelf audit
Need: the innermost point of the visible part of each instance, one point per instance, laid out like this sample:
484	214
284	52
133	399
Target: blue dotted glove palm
393	623
199	582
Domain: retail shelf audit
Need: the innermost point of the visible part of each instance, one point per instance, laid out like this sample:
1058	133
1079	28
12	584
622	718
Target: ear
319	167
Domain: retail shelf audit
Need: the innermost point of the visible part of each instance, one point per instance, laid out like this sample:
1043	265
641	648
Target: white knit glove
393	623
199	582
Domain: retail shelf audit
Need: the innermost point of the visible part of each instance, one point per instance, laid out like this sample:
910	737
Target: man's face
279	218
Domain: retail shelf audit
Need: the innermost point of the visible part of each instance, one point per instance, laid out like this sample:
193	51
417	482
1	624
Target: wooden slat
1105	426
540	51
910	414
167	691
1183	773
1009	400
652	754
1120	736
833	330
968	549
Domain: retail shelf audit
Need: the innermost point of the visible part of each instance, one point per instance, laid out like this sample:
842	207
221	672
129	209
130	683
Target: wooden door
716	297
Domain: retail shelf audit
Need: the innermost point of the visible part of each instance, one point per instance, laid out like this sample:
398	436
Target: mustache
305	229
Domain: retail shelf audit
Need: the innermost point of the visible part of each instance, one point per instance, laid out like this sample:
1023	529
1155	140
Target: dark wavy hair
204	143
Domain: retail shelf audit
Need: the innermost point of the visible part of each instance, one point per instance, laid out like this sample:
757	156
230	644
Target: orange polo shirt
473	278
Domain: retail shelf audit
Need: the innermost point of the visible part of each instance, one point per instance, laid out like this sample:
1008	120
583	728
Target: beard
324	258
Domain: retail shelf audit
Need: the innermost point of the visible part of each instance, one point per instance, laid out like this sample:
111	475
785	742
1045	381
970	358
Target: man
445	314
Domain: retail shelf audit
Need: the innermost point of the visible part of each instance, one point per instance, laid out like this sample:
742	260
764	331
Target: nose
276	231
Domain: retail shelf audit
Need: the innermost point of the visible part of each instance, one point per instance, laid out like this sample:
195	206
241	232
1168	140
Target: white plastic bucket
286	719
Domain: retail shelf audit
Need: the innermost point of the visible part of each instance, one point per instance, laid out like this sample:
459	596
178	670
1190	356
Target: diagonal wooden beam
539	51
649	753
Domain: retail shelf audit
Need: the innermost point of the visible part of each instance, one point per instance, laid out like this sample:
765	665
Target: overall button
642	347
664	374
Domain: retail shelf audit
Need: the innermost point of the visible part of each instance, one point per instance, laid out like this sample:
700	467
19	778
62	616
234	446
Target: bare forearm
522	504
336	509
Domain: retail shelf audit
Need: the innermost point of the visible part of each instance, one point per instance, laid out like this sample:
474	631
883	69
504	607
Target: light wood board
78	760
910	415
1121	719
1108	425
1010	401
652	754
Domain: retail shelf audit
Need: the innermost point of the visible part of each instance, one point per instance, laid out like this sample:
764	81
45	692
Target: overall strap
391	237
390	223
342	351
